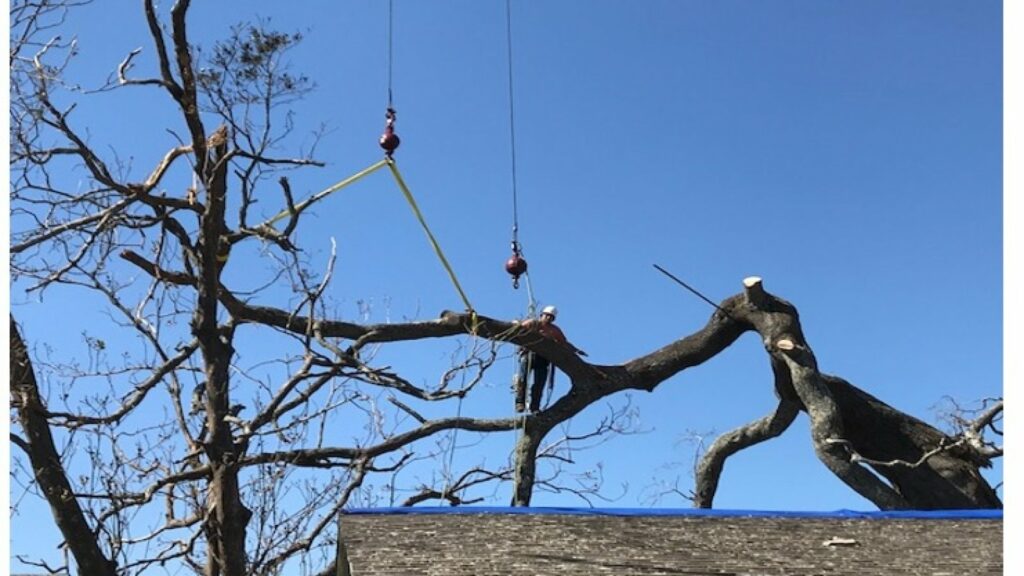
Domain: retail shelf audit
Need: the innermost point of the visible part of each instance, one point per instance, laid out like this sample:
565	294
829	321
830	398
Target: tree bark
926	469
894	443
713	462
827	430
526	462
227	516
47	467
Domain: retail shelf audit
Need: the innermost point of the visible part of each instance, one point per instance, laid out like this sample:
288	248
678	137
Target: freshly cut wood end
785	344
751	281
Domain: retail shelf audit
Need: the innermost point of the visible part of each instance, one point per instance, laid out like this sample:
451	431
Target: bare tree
180	454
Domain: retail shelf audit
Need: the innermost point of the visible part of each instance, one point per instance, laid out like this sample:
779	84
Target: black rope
692	289
512	126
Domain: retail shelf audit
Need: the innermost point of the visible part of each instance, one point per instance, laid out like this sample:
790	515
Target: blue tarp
916	514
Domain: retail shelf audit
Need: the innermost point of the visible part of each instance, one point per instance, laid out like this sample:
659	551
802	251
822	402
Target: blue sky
850	153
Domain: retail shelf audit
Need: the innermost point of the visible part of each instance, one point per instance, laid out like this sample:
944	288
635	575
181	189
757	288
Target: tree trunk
894	443
47	467
526	461
227	515
851	430
710	468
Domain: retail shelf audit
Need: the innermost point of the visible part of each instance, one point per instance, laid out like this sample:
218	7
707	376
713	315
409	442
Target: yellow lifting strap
321	194
390	163
433	241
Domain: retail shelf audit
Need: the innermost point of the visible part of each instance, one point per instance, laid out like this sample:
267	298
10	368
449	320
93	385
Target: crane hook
516	265
389	141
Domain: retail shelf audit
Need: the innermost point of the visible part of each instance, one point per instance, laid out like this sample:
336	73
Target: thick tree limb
828	400
850	427
329	456
877	431
185	93
973	432
47	467
179	278
158	173
827	426
161	50
709	471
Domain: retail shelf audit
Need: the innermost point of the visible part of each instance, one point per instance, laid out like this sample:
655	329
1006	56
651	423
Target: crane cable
517	251
516	246
390	141
512	125
390	48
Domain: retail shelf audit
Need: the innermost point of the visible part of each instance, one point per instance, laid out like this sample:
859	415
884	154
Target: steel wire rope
531	302
390	48
512	122
454	438
516	246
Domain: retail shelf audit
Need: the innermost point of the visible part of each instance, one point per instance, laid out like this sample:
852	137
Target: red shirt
547	330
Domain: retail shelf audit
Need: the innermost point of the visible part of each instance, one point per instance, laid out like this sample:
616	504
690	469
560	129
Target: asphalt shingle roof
538	544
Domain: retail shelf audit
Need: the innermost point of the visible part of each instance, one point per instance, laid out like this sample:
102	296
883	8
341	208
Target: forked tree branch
709	470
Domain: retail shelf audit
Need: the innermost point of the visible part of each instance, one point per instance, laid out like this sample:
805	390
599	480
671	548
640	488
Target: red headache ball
389	140
516	265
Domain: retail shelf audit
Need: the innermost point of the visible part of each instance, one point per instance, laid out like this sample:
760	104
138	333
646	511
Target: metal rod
692	289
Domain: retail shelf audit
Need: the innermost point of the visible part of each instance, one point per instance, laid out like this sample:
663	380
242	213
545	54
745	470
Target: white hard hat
550	310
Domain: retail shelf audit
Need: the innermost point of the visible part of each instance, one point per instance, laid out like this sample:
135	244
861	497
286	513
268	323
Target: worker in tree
539	365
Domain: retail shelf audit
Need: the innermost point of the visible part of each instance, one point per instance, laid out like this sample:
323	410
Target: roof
535	542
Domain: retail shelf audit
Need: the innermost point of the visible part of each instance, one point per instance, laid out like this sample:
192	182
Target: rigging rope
451	448
531	307
390	163
455	438
389	141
